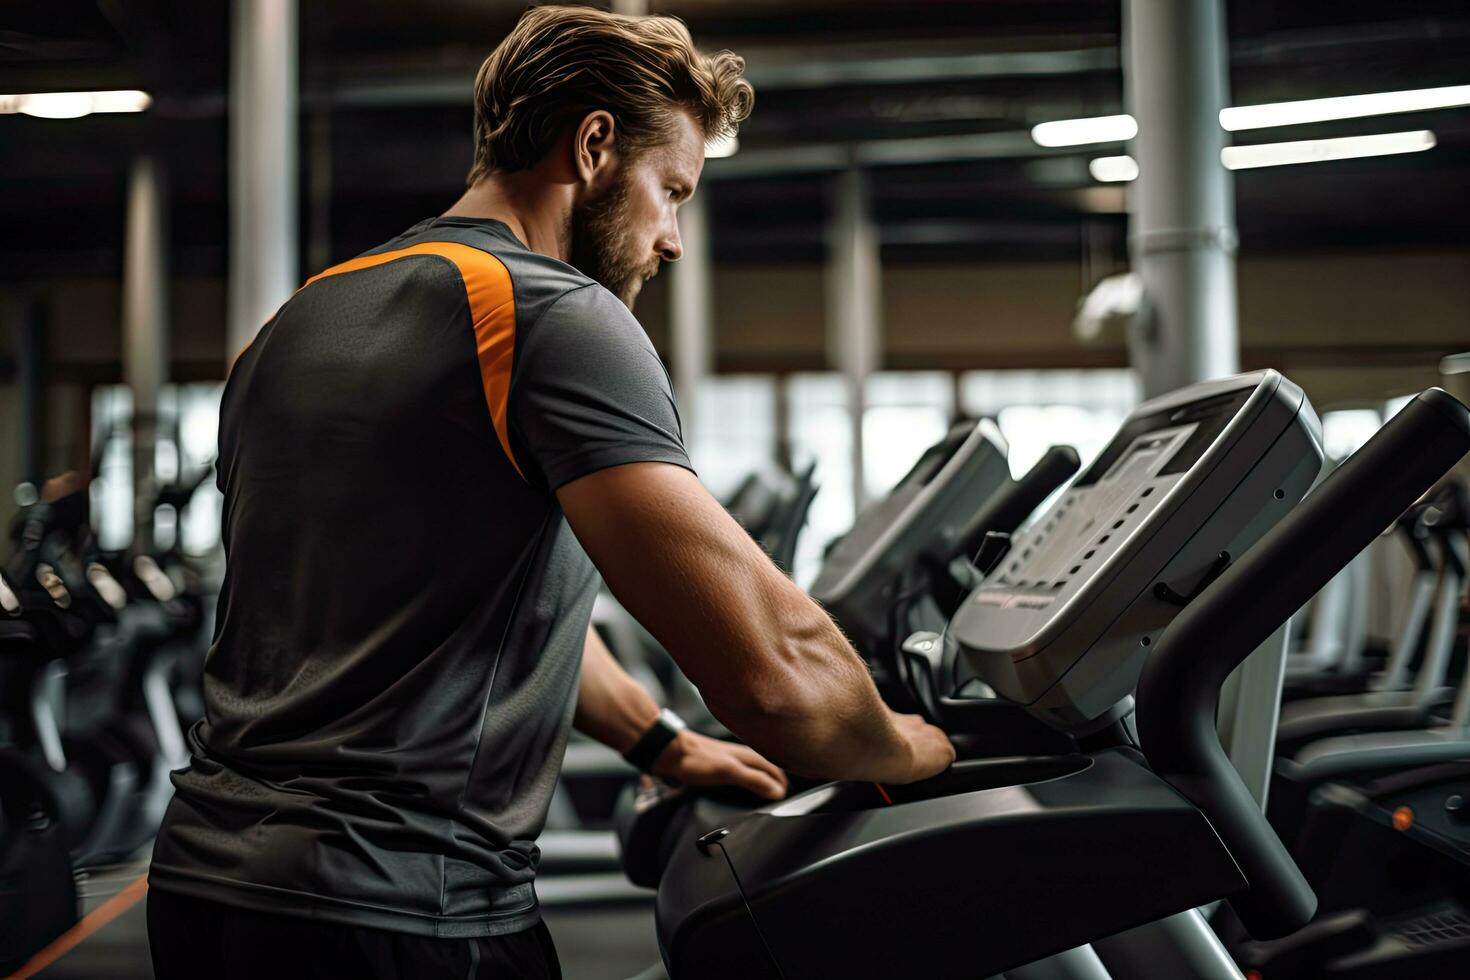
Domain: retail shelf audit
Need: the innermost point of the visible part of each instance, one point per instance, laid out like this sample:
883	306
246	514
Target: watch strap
645	752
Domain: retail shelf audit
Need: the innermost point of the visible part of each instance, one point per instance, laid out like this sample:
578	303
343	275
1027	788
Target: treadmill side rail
957	884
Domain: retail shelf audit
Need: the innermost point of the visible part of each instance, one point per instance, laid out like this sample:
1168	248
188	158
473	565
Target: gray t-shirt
399	638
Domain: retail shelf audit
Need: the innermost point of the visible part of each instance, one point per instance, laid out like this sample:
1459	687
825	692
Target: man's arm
771	664
615	710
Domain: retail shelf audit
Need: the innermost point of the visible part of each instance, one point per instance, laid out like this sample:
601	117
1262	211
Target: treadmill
931	511
891	571
1132	586
1381	828
1366	755
1399	698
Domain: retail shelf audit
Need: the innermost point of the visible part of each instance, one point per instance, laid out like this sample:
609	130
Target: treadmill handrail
1179	689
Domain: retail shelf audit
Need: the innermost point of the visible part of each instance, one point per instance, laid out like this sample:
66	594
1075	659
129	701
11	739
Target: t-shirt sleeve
589	392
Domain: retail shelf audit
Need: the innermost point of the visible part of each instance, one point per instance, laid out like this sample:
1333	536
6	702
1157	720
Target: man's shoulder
542	283
490	253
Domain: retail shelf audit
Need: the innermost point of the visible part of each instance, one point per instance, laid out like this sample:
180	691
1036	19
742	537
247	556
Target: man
427	456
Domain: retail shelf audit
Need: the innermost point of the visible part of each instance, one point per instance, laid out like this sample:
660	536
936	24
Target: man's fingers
762	784
718	763
736	773
754	759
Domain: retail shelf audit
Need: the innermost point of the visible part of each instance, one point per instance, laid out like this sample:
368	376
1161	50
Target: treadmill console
1191	481
926	511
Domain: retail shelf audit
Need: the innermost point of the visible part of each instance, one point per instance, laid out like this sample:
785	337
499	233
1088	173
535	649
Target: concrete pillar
691	310
1250	708
1182	206
145	331
1182	242
854	303
263	166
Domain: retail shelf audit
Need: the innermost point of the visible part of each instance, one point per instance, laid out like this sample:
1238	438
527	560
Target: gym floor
594	942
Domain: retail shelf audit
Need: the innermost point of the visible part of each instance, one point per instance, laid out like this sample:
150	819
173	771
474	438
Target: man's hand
930	749
613	709
692	759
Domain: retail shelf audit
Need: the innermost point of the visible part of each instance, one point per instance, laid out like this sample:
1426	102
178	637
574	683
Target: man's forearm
771	664
829	721
611	706
841	732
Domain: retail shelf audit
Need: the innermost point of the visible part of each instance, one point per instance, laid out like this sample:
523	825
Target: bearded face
604	245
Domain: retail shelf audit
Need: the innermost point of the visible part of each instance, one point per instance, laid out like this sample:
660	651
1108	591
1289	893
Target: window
733	430
906	413
188	426
1036	410
821	431
1344	432
112	484
197	411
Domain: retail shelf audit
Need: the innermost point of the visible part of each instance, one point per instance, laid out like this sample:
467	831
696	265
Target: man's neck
536	210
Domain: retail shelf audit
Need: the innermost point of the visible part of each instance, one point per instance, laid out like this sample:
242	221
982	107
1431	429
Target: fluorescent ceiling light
1315	151
1113	129
1342	107
1112	170
71	105
725	146
1079	132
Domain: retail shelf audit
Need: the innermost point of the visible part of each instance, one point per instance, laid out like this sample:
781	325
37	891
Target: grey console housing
927	510
1192	480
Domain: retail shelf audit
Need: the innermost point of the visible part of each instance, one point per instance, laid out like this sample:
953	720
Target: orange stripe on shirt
492	307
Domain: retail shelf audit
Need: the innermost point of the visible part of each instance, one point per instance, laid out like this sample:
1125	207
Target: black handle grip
1005	511
1179	689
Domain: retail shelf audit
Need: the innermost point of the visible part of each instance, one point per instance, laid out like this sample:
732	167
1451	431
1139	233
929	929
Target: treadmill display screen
1140	456
1212	414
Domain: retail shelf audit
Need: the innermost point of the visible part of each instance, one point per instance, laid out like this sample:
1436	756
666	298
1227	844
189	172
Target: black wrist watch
665	728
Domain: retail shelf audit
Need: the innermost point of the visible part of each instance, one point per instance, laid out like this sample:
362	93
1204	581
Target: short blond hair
560	63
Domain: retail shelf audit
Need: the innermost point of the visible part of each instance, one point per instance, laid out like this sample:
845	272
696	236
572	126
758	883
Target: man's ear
595	148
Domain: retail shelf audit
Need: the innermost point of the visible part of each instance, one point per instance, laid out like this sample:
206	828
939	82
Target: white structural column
1182	242
691	310
145	330
263	165
1182	206
1250	708
854	303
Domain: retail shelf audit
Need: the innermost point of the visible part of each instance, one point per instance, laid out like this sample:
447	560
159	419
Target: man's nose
669	246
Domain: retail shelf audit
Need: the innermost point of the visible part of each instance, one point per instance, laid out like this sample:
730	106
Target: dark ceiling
941	93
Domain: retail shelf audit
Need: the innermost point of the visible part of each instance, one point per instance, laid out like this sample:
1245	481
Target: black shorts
191	938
